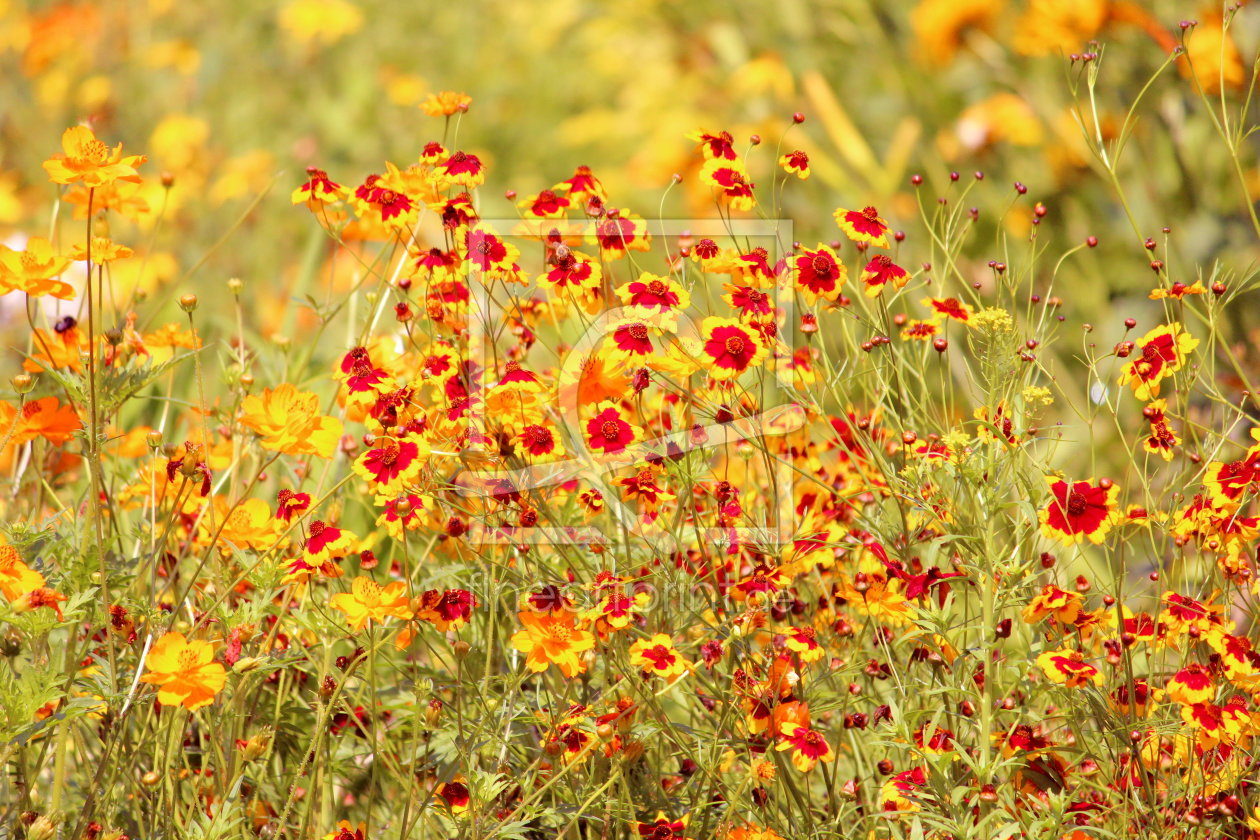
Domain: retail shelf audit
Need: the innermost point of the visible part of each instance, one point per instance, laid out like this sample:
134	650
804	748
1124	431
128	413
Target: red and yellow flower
657	656
730	348
818	274
1069	668
864	226
1159	354
1080	510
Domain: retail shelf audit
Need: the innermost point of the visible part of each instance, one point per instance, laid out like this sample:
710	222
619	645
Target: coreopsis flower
553	638
572	271
803	641
345	831
34	271
368	601
752	304
916	330
719	146
950	307
795	163
936	740
88	160
539	440
1192	684
445	610
1181	615
657	656
1162	440
490	253
455	794
630	342
184	671
583	186
289	504
445	103
1065	607
393	464
288	420
1228	481
729	348
655	294
326	541
618	234
1068	667
547	204
384	199
1079	511
461	169
881	271
818	274
808	746
996	424
609	431
662	828
902	792
1177	291
863	226
1160	353
318	190
730	181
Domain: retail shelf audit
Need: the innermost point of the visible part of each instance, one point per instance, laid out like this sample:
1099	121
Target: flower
86	159
1080	510
654	293
1162	440
1160	353
1048	27
35	270
609	431
795	163
184	671
289	421
368	601
320	22
657	656
393	465
818	274
553	638
940	25
318	190
881	271
16	578
1191	685
662	828
950	307
863	226
730	348
730	180
1067	667
445	103
808	746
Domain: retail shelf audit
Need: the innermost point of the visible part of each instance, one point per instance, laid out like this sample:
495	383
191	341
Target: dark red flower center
638	332
1077	503
657	287
610	429
735	345
871	213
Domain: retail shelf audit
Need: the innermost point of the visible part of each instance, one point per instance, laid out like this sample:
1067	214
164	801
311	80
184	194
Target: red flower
463	169
653	292
1079	511
730	348
571	269
863	226
720	146
290	503
752	304
818	274
731	181
546	205
950	308
881	271
808	746
608	431
1160	353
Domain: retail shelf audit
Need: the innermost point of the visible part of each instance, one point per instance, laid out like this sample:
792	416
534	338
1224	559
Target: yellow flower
35	270
320	22
86	159
1059	26
368	601
940	25
185	672
552	638
289	421
446	103
16	578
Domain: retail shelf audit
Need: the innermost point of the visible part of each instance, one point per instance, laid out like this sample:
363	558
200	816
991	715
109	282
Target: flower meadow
736	482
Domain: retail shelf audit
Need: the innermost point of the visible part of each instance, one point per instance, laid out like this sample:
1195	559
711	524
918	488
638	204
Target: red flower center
317	528
389	455
611	430
821	265
1150	353
1077	503
657	288
735	345
871	213
638	332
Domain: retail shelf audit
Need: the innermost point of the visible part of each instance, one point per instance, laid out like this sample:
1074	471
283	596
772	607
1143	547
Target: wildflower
920	330
662	828
609	431
902	791
572	270
553	638
1227	481
184	671
461	169
1160	353
1177	291
1192	684
346	831
445	610
547	204
104	250
583	186
320	22
86	159
658	657
729	347
630	342
34	271
1162	440
808	746
817	274
45	417
881	271
940	25
325	541
393	465
1048	27
720	146
655	294
795	163
730	180
368	601
318	190
16	578
1064	606
1079	510
1067	667
446	103
863	226
455	794
288	420
950	307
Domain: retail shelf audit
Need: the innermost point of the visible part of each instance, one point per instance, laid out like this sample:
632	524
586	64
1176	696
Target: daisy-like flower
1162	440
630	342
1228	481
325	541
393	465
818	274
795	163
729	348
719	146
16	578
288	420
1069	668
1177	291
920	330
1064	606
731	182
548	204
658	657
445	103
446	610
571	270
950	307
34	271
455	794
383	198
553	638
488	252
620	233
1160	353
318	190
1079	511
863	226
539	440
1192	684
88	160
608	430
752	304
368	601
808	746
662	828
881	271
461	169
184	671
654	293
583	186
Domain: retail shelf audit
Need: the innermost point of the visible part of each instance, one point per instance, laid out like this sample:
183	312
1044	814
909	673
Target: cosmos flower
184	671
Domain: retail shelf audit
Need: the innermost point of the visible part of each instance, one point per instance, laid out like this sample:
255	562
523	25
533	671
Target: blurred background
235	99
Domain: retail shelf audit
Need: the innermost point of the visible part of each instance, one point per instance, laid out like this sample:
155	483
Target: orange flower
34	271
657	656
368	601
446	103
104	250
553	638
44	417
289	421
16	578
185	672
86	159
